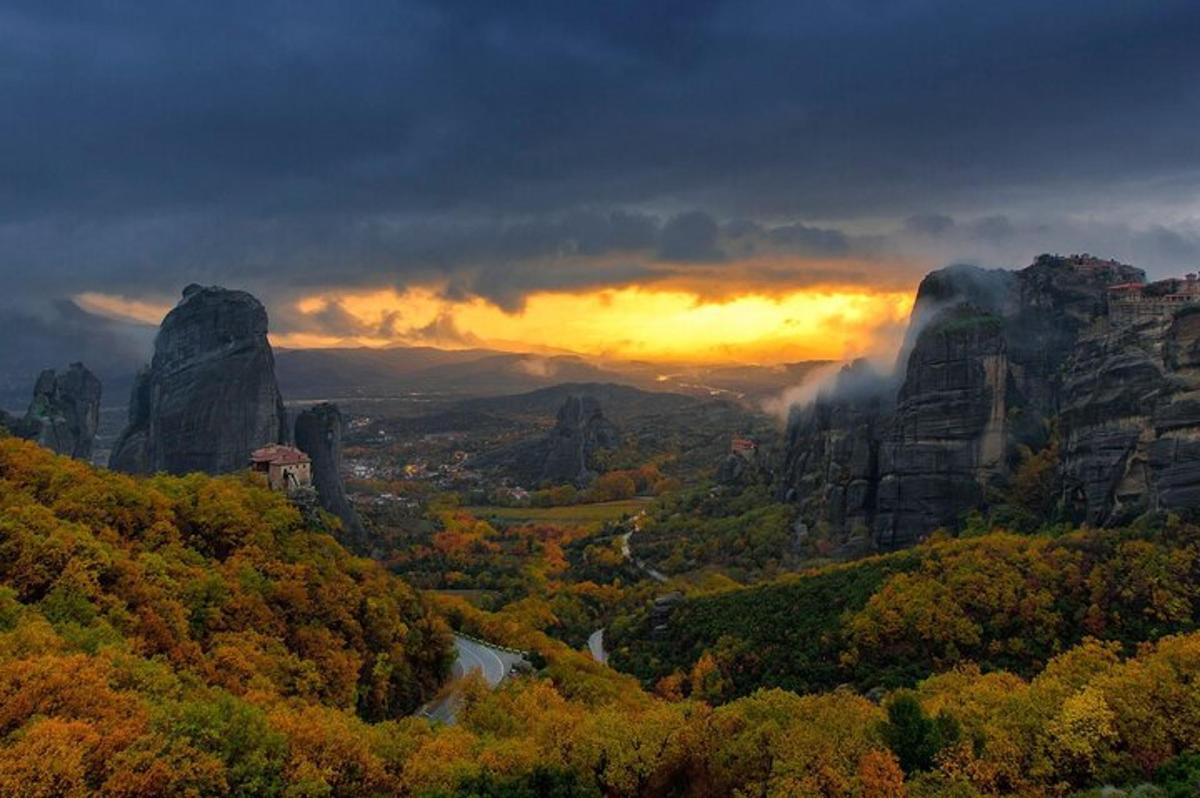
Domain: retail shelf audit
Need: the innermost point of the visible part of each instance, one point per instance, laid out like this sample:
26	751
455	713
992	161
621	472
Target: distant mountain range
356	373
315	373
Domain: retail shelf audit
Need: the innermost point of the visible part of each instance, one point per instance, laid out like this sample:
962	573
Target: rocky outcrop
948	436
991	361
209	396
1131	411
831	462
734	470
318	433
64	413
580	431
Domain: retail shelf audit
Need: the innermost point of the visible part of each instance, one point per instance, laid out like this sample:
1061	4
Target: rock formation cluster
64	413
209	396
993	362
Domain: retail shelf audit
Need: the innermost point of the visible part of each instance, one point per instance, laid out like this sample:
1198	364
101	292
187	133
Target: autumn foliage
190	637
147	626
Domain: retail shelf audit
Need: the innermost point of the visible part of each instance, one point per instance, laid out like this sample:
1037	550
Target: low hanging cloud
444	332
504	263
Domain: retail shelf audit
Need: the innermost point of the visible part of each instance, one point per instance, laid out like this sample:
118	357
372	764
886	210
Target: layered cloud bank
602	177
662	325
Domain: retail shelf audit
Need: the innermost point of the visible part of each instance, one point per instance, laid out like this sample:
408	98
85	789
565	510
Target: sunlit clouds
123	308
630	322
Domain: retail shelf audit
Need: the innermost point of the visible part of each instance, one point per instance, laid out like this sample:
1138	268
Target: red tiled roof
278	453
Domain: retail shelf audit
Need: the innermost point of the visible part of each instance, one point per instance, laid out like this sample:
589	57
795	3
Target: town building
287	468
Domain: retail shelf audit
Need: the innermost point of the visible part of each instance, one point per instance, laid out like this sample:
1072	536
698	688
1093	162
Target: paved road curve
596	639
596	646
493	664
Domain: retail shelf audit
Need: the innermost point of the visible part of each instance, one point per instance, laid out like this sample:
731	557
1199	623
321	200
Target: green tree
913	736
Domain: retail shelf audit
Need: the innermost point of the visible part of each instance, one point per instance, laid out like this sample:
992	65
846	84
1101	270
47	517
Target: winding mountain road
636	523
596	639
494	664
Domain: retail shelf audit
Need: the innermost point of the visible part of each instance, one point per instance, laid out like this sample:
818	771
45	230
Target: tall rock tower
581	430
318	434
209	396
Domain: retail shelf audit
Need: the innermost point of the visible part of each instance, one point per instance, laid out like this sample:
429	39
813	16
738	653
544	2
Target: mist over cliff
995	365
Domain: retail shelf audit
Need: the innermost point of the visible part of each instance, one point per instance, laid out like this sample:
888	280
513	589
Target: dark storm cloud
810	240
510	147
690	237
933	224
50	336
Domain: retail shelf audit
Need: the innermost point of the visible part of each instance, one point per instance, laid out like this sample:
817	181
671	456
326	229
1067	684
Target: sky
757	181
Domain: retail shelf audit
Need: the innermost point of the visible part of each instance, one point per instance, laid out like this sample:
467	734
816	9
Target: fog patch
854	381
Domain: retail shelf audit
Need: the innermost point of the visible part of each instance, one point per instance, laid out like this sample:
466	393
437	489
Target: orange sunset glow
628	322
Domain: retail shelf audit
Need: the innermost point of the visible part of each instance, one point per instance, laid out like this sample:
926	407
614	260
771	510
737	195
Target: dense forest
193	636
736	528
1000	600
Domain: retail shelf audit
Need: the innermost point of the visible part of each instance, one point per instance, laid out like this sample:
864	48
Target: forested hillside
174	634
192	637
1002	601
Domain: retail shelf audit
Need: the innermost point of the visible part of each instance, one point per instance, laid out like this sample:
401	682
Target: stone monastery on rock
287	468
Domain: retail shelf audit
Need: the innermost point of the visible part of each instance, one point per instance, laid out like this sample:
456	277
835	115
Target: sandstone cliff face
580	431
1131	412
64	413
318	433
209	396
991	360
948	436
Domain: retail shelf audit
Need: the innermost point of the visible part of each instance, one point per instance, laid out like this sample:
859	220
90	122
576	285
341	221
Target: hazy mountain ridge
365	372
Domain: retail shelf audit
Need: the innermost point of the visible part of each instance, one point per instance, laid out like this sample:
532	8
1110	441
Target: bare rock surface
580	431
64	413
209	396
